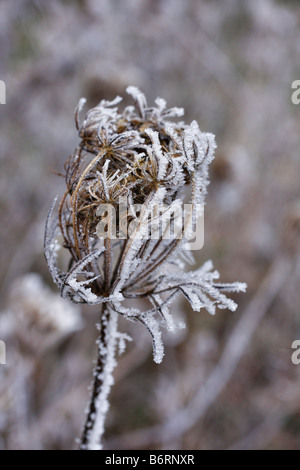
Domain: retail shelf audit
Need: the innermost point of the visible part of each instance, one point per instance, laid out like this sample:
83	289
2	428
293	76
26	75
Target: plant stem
103	380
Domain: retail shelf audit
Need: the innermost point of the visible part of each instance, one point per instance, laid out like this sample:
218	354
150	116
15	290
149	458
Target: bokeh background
227	382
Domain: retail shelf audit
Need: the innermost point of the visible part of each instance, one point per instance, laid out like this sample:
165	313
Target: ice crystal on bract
144	159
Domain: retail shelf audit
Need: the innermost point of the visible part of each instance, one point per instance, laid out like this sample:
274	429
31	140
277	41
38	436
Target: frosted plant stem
103	380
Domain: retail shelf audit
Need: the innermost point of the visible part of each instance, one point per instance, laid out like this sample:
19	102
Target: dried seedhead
141	157
141	160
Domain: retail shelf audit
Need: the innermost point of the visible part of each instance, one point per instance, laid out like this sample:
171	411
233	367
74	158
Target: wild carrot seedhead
143	158
124	222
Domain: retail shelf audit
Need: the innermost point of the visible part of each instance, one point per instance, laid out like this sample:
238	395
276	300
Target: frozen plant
143	158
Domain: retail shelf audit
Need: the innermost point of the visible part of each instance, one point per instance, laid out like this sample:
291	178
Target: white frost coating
200	289
81	104
127	140
78	287
123	337
168	318
153	326
161	104
139	98
158	113
161	159
102	404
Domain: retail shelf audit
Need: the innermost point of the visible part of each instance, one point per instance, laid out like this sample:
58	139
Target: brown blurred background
226	381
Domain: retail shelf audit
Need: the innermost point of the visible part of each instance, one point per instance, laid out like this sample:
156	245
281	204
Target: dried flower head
141	159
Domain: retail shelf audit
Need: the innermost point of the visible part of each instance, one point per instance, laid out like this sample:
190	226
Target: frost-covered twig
141	159
103	380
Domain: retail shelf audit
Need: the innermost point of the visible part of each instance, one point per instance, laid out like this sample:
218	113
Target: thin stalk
108	260
103	380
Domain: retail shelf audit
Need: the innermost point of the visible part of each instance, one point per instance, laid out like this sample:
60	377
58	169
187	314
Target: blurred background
227	382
